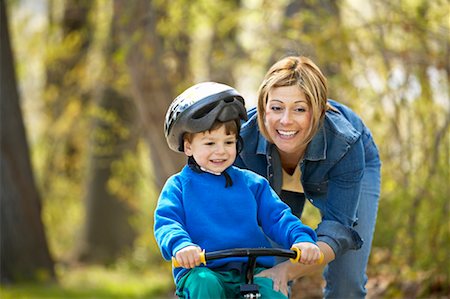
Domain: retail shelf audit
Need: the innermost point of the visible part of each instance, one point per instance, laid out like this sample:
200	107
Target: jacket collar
317	148
263	145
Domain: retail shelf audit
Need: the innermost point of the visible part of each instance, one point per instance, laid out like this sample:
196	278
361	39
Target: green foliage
59	168
132	181
387	60
409	119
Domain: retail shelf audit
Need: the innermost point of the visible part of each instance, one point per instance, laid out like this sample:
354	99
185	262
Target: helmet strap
239	144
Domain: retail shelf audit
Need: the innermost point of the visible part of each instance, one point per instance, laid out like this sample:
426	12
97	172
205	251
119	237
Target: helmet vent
204	110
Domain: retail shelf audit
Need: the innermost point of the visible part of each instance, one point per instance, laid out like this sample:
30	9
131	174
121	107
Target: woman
310	147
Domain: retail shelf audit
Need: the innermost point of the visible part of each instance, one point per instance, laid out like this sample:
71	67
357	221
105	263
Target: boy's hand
189	257
310	253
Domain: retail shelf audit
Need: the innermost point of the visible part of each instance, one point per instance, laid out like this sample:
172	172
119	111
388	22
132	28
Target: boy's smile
213	150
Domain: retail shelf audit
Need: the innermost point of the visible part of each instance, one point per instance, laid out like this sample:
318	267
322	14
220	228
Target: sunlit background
96	77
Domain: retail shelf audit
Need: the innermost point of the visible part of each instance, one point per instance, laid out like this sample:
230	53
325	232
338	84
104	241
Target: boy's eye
209	143
230	142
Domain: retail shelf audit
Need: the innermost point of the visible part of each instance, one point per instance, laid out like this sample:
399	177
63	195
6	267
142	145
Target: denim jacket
332	168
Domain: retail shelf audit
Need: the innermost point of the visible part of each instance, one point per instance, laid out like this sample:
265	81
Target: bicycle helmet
198	107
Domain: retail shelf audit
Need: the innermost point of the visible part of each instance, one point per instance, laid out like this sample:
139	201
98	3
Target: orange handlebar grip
202	257
175	263
299	255
321	258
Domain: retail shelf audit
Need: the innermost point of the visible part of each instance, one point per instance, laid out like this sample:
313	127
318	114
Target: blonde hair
302	72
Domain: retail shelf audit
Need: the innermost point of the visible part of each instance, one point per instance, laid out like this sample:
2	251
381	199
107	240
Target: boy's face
215	150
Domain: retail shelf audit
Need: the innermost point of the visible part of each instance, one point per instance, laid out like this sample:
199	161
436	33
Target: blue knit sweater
196	209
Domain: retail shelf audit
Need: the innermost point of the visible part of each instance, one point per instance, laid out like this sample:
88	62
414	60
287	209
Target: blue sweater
196	209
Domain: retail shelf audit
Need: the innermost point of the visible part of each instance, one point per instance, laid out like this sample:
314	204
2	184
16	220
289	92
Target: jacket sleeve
277	220
169	219
339	214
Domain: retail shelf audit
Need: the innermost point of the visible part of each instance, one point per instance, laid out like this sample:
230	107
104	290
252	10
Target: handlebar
294	254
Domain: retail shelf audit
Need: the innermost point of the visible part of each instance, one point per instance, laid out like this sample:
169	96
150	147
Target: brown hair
231	127
302	72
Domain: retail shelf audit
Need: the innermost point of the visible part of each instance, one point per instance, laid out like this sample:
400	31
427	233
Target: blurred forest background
85	85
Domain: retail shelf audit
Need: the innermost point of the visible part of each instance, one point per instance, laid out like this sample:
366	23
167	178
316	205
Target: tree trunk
152	83
65	69
24	251
225	48
108	232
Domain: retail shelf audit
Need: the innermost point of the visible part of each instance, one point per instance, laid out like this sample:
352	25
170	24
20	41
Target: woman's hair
231	128
302	72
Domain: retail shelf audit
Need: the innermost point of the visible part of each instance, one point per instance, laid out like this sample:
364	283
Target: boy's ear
187	148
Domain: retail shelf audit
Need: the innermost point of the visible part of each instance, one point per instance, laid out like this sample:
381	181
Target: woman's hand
310	253
279	275
189	257
286	271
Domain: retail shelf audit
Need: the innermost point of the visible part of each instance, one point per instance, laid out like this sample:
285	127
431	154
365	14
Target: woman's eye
275	108
300	109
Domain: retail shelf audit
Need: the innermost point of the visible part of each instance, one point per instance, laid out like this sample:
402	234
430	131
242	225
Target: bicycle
249	290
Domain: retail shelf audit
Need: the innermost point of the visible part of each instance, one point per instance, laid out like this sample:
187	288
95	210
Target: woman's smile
287	134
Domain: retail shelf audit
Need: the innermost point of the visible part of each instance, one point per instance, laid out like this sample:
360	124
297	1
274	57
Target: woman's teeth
287	133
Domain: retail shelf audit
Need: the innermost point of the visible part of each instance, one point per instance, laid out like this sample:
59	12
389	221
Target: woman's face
288	119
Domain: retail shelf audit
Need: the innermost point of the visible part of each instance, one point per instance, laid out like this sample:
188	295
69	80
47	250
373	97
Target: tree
160	43
153	83
67	94
24	251
401	69
108	232
68	44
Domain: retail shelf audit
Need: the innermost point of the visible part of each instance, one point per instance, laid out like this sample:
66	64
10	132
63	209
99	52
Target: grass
97	283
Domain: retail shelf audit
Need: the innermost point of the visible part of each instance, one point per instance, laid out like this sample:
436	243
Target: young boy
211	205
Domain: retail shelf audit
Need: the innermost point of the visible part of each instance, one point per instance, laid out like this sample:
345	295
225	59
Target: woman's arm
340	204
298	270
284	272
